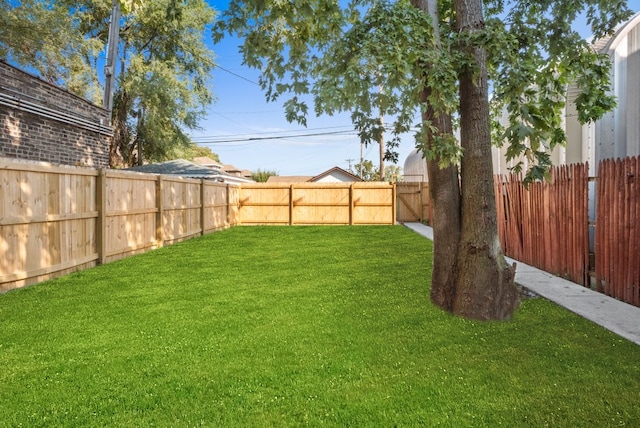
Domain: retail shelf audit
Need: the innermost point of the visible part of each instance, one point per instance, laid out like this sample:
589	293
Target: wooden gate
413	202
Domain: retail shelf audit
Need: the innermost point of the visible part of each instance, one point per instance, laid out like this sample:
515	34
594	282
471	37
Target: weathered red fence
617	244
546	225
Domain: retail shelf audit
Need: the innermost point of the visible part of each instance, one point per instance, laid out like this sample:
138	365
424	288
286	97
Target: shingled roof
188	169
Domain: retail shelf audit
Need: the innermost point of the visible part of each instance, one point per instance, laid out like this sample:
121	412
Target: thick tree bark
484	282
445	194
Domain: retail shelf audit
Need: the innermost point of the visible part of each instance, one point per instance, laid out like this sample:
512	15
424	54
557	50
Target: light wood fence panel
413	202
316	203
546	225
264	203
373	203
234	205
215	206
129	214
47	222
181	209
320	203
617	243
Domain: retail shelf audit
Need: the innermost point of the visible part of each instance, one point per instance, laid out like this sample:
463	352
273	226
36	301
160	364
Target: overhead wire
236	74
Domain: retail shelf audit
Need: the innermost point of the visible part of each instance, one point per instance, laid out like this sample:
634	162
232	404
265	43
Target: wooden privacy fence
48	222
56	220
317	203
413	202
617	241
546	225
139	212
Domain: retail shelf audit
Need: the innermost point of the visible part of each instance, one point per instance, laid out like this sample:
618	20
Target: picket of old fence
546	224
617	240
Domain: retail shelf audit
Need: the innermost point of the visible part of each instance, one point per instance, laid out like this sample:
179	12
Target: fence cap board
33	166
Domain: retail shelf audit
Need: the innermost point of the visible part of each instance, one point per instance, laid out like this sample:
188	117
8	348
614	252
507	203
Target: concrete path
614	315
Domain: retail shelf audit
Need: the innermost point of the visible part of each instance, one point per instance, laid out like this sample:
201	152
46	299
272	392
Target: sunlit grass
270	326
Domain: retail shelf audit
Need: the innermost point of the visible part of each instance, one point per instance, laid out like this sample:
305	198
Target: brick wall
42	122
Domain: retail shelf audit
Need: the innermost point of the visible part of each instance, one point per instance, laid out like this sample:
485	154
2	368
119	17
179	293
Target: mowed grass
291	326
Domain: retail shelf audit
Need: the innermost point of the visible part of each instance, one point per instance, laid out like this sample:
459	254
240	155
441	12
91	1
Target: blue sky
241	112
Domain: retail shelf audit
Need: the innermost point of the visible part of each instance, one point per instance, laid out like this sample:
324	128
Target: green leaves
360	59
534	57
166	76
163	84
369	57
44	36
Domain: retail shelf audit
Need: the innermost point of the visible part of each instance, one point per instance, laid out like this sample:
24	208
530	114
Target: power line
236	74
322	128
276	137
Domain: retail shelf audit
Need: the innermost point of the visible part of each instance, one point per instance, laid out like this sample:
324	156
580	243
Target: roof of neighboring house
289	178
188	169
207	161
313	178
338	170
234	170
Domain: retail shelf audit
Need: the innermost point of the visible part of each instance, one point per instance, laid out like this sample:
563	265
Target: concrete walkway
614	315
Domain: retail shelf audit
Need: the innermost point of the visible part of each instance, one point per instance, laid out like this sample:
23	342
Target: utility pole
112	51
381	142
361	160
349	161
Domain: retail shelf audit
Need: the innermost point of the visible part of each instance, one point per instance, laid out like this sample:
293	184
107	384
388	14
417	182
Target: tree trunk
484	282
444	191
120	131
445	196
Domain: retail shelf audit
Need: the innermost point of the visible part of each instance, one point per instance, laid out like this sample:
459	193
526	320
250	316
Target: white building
617	134
415	167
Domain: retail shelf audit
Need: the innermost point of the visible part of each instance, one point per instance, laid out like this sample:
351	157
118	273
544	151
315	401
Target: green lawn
290	326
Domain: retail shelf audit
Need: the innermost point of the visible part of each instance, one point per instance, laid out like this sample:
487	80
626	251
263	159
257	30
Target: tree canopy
365	56
163	73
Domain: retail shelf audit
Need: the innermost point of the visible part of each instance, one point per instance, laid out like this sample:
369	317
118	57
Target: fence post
101	206
202	208
394	205
159	213
227	216
351	205
291	205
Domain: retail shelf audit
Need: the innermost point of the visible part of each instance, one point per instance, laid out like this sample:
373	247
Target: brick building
42	122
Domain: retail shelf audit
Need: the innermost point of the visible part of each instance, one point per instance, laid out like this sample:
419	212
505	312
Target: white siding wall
617	134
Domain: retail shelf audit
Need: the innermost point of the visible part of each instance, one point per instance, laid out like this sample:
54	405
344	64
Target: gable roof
289	178
338	170
335	171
